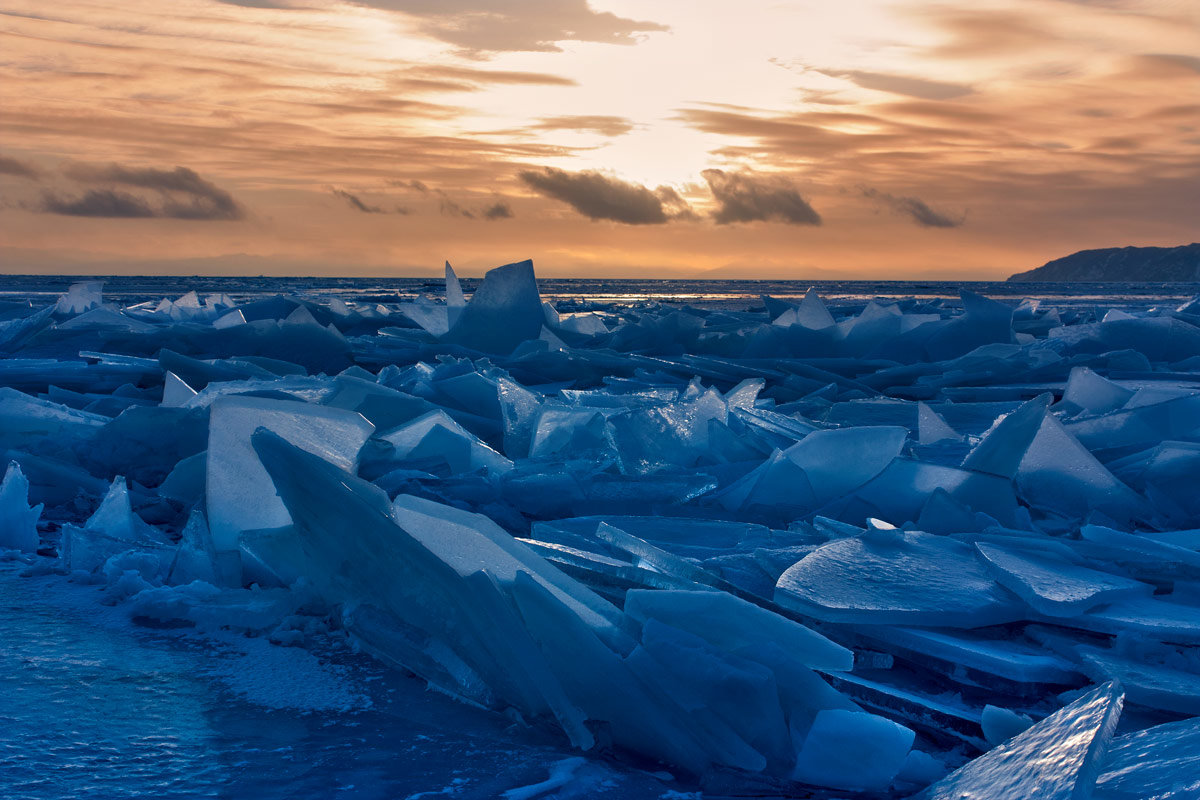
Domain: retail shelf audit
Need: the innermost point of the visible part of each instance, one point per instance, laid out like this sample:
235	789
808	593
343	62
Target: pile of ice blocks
923	548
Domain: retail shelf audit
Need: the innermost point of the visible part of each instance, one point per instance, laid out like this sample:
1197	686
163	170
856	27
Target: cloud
746	197
590	123
980	33
450	208
414	184
100	203
674	204
471	78
920	88
258	4
512	25
180	194
498	210
797	136
183	193
356	203
600	196
19	169
914	207
1191	63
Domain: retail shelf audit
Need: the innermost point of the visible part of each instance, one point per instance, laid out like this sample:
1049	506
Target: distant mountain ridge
1158	264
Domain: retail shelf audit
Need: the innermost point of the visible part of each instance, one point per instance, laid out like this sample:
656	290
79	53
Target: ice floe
924	548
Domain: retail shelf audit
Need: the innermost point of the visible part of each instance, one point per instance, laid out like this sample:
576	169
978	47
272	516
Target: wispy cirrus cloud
483	26
358	204
915	208
517	25
921	88
590	123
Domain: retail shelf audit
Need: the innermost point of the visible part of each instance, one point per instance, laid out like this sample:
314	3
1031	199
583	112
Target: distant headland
1157	264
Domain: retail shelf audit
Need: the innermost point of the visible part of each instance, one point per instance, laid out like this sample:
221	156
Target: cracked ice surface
932	547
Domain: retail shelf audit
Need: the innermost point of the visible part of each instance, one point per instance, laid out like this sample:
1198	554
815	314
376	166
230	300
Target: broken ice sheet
896	577
1053	586
812	451
1157	763
1059	758
238	492
18	520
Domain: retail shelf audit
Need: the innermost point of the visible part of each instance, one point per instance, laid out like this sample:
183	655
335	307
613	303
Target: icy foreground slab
1059	758
453	597
18	520
732	624
892	577
853	750
1158	763
1053	586
239	494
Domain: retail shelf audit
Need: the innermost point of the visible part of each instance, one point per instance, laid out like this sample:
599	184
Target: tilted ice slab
1171	690
1092	393
734	624
445	620
504	311
853	750
1059	473
436	434
18	520
1158	763
892	577
837	461
239	494
26	422
1007	658
1059	758
1053	586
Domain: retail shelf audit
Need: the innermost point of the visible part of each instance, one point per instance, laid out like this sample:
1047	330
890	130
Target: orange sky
862	138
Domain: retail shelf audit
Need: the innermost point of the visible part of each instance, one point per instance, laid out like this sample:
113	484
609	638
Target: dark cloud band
915	208
180	194
747	197
599	196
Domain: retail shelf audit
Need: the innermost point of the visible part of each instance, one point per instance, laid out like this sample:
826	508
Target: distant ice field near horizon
723	294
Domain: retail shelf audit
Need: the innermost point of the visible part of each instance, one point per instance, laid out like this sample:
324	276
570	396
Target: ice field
629	540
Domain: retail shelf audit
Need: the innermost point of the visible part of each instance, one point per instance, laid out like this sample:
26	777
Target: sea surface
732	294
96	707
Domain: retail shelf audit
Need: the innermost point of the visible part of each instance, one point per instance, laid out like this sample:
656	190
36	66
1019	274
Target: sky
874	139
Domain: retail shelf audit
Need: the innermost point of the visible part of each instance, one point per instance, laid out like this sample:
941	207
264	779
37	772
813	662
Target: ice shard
18	520
1157	763
853	750
80	297
1059	758
239	495
504	311
1054	586
896	578
931	428
733	624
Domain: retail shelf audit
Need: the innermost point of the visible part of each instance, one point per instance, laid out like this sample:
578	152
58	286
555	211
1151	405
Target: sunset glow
871	139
